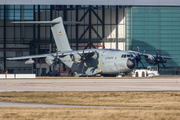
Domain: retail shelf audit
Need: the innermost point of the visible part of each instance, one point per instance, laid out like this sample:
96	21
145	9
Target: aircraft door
106	67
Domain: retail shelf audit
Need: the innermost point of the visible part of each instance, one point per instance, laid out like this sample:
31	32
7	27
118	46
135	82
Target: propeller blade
141	63
163	65
143	52
158	67
51	54
56	59
156	54
138	58
83	67
83	51
137	62
79	54
161	53
83	56
87	54
138	50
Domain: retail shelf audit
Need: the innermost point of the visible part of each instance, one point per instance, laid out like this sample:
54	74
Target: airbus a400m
89	61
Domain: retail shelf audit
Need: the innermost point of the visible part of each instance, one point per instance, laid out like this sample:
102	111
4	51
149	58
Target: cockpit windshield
124	56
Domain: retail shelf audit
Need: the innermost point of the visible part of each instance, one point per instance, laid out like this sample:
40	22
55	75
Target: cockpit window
124	56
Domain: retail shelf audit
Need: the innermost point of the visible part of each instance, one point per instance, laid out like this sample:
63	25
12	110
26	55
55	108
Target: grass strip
138	99
89	113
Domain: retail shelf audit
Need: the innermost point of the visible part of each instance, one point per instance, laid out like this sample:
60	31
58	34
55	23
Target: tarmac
84	84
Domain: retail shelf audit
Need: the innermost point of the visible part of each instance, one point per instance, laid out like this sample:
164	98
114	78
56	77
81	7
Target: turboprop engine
150	59
49	60
156	59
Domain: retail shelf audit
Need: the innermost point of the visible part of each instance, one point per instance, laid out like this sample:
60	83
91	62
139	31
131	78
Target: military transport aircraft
89	61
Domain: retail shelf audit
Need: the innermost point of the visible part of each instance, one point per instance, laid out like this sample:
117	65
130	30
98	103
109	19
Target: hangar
115	24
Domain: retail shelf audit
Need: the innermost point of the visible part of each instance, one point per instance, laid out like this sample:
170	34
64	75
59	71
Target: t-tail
59	33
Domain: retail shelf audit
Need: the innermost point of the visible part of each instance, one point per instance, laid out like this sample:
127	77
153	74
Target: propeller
56	59
138	57
159	59
83	56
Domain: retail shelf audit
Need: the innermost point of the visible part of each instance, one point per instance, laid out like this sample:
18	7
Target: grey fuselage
102	61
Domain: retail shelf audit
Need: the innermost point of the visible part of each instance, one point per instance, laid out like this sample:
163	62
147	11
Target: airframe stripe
99	64
76	59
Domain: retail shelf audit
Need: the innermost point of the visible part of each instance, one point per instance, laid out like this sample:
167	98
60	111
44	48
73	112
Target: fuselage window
130	56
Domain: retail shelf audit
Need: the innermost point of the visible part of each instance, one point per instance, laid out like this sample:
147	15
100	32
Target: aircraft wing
27	57
145	54
55	54
166	57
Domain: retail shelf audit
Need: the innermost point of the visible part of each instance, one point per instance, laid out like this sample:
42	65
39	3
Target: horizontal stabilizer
37	22
46	22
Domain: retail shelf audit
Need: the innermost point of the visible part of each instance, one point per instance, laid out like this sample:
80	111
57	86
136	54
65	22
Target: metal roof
92	2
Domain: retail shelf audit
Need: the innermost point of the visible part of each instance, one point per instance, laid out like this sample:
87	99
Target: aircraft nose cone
131	63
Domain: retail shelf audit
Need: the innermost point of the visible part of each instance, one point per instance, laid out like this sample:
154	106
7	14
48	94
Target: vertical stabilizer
60	35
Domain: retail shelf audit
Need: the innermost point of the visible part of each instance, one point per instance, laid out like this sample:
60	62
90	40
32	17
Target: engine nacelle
49	60
30	61
150	59
163	61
